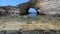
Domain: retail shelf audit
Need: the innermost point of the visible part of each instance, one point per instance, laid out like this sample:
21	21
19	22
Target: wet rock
3	32
52	32
13	32
40	31
30	31
58	31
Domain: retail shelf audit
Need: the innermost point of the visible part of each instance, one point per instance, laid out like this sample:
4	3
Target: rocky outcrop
9	10
2	11
48	7
14	11
24	7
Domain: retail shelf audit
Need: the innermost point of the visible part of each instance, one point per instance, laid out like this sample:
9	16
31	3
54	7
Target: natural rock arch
24	7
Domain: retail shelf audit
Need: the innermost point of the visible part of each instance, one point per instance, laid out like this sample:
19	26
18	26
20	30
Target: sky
14	3
11	2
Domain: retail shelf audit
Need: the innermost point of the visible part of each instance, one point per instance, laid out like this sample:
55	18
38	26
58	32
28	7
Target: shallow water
32	15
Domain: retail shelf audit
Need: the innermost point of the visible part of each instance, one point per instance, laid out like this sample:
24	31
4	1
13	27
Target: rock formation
2	11
24	7
9	10
14	11
48	7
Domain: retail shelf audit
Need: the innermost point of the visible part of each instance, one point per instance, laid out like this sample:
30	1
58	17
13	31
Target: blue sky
11	2
14	3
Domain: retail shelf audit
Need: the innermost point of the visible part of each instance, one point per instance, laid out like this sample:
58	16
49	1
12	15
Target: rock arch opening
32	10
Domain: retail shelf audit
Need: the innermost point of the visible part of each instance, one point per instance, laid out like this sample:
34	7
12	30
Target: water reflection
32	15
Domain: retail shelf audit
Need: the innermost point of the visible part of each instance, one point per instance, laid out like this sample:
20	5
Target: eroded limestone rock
24	7
9	10
48	7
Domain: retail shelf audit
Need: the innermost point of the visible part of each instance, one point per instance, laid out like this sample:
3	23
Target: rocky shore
24	25
14	21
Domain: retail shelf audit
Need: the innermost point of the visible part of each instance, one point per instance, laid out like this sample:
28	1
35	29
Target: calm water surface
32	15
